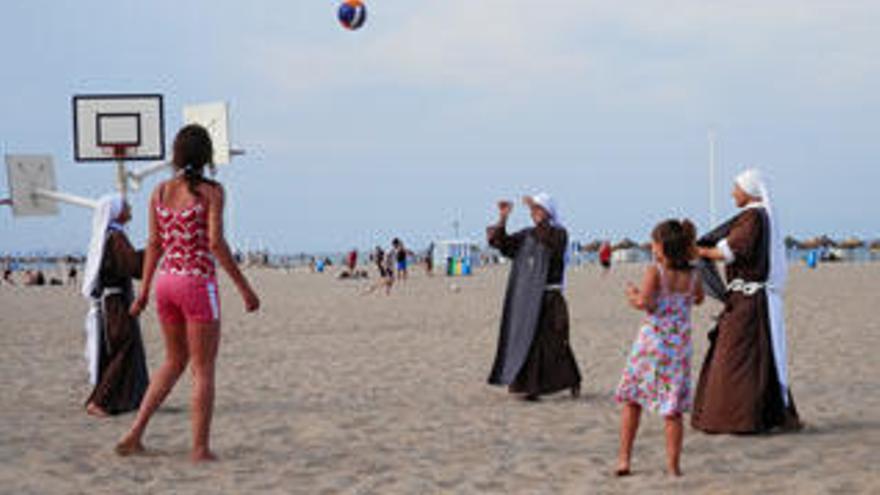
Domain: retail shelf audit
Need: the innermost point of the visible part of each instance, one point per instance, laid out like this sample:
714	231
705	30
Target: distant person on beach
389	276
743	385
534	355
401	255
72	273
7	275
351	260
605	257
429	260
114	347
34	278
379	260
657	375
384	260
186	234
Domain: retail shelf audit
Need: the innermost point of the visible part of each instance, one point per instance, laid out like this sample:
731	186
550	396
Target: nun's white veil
103	221
753	182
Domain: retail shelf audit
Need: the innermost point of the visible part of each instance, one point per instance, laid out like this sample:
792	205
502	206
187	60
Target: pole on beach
712	211
121	177
66	198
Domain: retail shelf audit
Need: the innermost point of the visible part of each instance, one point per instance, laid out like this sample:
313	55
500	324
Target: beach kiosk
460	257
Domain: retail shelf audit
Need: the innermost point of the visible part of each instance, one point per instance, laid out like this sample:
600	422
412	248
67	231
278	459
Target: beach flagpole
713	214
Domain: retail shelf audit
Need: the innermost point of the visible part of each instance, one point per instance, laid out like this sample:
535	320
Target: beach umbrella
592	247
819	242
851	243
626	243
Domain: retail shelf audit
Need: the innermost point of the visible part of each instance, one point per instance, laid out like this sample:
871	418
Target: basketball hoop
120	151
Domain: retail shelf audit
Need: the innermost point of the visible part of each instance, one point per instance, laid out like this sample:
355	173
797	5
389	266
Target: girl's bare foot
129	446
199	456
94	410
674	471
622	468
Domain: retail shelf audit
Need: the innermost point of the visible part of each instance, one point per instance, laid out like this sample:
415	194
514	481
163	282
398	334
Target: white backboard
215	118
102	123
25	174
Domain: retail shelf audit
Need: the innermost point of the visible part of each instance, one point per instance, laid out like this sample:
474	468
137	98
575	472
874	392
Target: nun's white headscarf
103	220
753	183
548	204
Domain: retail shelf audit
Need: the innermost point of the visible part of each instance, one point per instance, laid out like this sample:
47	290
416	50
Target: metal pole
65	198
121	177
712	212
137	176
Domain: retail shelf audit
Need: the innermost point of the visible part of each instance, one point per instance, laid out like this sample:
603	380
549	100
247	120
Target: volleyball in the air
352	14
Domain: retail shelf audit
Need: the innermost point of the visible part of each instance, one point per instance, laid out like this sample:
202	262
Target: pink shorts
187	299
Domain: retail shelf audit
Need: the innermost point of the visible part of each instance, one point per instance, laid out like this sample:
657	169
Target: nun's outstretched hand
504	208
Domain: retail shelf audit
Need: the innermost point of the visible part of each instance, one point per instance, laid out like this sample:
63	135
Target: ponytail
193	177
193	151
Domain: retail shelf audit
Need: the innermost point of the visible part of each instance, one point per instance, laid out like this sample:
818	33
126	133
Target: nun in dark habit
743	385
114	349
534	356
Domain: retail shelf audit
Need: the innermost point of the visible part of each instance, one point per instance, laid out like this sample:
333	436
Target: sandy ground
329	391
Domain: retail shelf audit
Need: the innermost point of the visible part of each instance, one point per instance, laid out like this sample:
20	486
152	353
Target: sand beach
328	391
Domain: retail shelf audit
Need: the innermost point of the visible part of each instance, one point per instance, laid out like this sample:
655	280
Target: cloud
610	52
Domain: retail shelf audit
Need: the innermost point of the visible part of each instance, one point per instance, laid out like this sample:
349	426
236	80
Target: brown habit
738	390
549	364
122	368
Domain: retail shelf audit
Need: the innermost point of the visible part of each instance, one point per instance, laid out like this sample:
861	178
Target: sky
436	109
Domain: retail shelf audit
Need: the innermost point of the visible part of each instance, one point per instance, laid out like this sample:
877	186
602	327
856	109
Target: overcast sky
436	108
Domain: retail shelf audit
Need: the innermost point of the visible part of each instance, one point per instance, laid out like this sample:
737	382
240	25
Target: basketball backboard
26	175
105	125
215	118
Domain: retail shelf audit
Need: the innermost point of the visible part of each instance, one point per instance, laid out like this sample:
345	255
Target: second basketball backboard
215	118
27	175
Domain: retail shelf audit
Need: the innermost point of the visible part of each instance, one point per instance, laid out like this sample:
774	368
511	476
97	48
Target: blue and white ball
352	14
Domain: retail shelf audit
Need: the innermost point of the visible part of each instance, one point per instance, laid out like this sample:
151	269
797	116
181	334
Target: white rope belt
112	291
554	287
747	288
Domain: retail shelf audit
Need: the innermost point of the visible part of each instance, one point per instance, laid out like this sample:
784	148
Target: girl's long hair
193	151
677	238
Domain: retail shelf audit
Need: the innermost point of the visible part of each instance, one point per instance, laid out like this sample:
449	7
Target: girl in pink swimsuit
186	233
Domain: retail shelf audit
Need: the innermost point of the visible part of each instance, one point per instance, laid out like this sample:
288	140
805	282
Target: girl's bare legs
204	340
176	358
674	437
629	425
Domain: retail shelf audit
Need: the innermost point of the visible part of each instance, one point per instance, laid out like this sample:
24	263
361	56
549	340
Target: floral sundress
657	375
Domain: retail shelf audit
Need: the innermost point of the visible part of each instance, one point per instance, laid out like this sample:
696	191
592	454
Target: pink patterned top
184	235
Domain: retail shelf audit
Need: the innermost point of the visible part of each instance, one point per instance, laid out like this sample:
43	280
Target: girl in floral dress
657	375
